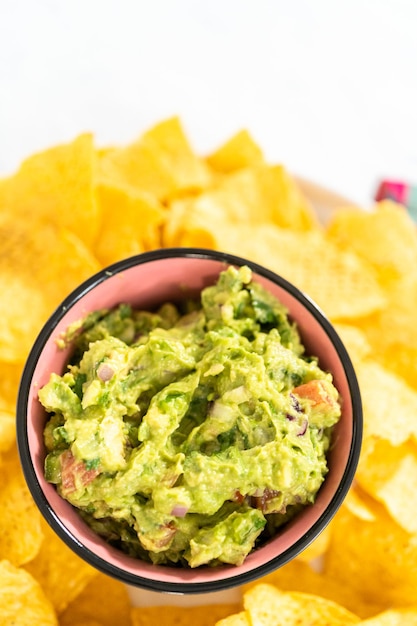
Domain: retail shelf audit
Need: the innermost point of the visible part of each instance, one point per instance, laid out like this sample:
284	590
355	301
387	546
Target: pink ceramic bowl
146	281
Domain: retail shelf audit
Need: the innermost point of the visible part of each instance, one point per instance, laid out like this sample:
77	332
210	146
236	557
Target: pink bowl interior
147	285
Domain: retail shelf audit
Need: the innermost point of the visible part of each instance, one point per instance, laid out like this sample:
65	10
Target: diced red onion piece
179	511
105	372
303	428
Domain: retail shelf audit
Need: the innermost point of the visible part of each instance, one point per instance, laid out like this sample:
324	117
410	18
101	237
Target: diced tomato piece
315	391
74	474
261	502
238	497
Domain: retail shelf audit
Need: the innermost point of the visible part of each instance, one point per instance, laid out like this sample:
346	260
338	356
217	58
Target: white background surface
327	87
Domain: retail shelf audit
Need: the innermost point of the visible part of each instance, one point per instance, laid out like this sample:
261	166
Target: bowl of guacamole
188	421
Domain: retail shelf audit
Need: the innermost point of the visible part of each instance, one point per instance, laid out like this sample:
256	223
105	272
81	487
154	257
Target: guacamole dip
189	435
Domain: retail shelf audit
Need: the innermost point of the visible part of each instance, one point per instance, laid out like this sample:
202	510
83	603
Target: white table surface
327	87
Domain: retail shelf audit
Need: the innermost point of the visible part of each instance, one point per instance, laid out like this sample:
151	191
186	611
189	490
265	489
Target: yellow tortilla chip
39	266
267	605
103	600
238	152
131	223
70	264
376	559
189	169
355	341
399	617
22	600
160	162
89	622
244	199
167	615
317	548
60	572
340	282
343	285
386	237
398	315
389	474
298	575
55	186
355	503
10	374
21	534
188	224
389	404
392	331
237	619
7	430
18	330
400	359
83	622
266	194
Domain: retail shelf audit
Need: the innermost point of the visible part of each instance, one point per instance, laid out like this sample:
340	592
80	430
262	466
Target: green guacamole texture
189	435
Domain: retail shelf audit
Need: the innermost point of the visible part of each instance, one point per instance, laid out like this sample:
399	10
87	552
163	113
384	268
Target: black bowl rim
186	587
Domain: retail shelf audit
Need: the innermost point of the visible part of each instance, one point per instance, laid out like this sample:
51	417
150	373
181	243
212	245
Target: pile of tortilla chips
75	208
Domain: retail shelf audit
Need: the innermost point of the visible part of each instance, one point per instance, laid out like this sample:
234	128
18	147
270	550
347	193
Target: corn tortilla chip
130	223
248	197
60	572
187	227
160	162
376	560
204	615
355	503
386	237
317	548
298	575
39	266
10	374
56	186
389	474
355	341
400	359
392	332
268	605
399	617
104	600
21	534
22	600
169	137
236	153
7	430
237	619
87	622
343	285
82	622
18	330
389	404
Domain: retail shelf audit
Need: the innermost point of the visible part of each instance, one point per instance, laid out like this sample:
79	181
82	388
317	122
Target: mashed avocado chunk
190	434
